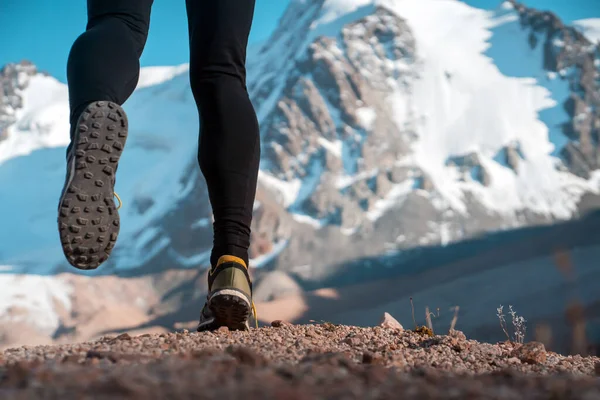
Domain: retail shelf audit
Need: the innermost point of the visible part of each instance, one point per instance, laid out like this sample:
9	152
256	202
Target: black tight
104	65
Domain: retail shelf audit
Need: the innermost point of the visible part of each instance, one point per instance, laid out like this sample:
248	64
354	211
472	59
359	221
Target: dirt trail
296	362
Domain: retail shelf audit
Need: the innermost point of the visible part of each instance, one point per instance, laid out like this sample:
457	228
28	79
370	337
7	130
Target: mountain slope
590	27
386	126
383	132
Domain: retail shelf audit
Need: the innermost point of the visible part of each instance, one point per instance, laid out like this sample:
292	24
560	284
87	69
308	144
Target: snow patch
152	76
349	231
481	109
264	259
32	299
306	219
334	148
43	122
366	117
285	192
201	223
193	261
394	198
333	9
590	28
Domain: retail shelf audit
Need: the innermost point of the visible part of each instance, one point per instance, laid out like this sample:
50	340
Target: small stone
531	353
279	323
201	354
92	361
71	358
223	329
246	356
371	358
457	334
100	355
387	321
325	357
352	341
123	336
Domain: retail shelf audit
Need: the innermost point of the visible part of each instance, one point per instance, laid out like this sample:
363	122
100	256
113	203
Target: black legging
104	65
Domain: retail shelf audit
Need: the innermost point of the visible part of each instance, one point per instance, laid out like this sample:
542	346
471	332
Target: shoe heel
231	308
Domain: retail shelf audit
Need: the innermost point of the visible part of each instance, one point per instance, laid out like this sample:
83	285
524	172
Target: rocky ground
297	362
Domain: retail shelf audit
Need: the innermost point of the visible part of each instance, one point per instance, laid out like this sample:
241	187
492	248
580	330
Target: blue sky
42	31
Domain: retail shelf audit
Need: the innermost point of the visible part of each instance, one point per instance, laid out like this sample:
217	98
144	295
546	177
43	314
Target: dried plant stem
428	318
455	318
412	306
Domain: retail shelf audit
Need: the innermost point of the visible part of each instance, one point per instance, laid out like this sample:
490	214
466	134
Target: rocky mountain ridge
13	79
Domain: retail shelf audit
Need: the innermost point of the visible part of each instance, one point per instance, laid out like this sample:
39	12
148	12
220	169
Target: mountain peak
590	27
14	78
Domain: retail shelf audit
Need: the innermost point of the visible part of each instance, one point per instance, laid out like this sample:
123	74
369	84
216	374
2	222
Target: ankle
231	253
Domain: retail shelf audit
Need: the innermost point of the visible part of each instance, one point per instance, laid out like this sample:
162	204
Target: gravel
297	362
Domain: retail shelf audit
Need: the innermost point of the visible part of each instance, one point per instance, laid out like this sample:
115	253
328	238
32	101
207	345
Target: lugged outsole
230	310
88	220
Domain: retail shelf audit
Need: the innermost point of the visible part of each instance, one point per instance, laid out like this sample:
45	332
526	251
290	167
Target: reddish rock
531	353
371	358
279	323
123	336
71	358
352	341
246	356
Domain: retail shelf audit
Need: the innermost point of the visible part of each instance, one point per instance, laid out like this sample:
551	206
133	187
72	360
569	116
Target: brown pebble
457	334
17	374
92	361
328	358
279	323
223	329
352	341
246	356
531	353
123	336
71	358
206	353
370	358
100	355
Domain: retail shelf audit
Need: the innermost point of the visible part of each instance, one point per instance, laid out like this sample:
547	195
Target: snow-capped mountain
386	125
590	27
393	124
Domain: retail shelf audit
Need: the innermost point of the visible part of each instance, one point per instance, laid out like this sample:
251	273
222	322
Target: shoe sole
88	220
231	308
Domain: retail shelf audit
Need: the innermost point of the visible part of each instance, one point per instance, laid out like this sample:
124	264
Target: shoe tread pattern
88	219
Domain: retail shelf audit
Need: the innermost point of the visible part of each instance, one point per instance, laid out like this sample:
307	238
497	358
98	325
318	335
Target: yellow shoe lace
118	198
255	314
